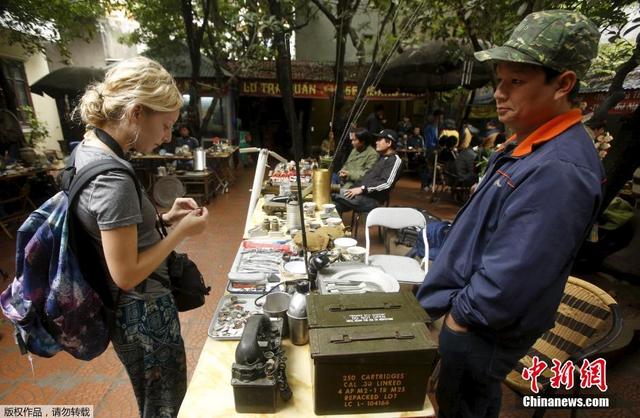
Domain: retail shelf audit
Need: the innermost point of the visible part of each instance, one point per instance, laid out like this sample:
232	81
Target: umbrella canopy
67	81
435	66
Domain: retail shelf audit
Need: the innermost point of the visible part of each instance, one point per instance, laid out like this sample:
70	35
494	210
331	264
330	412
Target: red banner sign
314	90
625	106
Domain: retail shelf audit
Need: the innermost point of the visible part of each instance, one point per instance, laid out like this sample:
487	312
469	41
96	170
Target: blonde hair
464	144
134	81
490	141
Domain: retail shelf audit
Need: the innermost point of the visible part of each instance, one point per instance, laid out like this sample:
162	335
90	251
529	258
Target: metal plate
226	305
166	190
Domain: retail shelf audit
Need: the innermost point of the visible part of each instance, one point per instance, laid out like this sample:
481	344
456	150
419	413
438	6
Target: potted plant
35	134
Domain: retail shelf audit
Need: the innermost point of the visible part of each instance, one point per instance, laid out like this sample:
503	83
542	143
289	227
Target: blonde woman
135	109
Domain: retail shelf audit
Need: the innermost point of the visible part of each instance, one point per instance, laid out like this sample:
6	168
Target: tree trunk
623	158
285	78
624	155
342	31
473	37
209	113
364	84
194	40
616	89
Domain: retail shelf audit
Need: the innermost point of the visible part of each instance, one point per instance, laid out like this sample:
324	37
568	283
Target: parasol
67	81
438	65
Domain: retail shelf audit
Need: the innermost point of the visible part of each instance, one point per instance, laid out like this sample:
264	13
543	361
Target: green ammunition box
370	369
341	310
371	352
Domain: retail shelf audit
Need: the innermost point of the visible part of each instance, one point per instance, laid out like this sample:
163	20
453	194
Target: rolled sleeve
114	201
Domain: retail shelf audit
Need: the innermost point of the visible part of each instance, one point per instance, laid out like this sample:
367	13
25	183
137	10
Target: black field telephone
258	373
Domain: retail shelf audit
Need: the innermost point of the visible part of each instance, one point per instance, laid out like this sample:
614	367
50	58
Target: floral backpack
60	297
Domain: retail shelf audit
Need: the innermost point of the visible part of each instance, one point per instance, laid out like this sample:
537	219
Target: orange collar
546	132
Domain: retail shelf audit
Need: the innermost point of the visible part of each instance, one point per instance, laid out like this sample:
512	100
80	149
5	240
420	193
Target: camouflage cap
558	39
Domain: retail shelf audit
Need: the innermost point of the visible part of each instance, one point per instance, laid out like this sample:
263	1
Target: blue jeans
472	367
147	339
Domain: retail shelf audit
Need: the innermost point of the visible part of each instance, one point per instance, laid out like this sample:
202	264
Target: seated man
185	138
376	184
360	160
465	163
416	140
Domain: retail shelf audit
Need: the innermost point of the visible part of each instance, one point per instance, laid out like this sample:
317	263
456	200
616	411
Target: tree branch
384	23
333	19
616	89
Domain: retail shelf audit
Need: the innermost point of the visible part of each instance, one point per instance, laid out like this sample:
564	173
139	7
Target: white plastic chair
404	269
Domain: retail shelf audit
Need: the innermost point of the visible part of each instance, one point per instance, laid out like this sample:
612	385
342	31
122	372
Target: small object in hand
199	208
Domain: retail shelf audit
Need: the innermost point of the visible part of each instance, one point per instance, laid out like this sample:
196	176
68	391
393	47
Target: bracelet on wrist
163	221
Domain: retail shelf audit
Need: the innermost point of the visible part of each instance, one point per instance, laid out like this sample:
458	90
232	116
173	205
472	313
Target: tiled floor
104	384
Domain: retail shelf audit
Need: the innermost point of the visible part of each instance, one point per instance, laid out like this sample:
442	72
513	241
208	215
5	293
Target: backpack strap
81	178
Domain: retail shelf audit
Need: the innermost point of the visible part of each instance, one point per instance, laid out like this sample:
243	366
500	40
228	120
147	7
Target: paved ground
103	383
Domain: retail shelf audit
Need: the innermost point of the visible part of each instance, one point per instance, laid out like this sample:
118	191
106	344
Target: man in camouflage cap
558	39
501	272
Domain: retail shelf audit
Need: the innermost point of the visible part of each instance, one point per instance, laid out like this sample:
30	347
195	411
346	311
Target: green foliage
38	130
610	57
35	23
234	30
493	20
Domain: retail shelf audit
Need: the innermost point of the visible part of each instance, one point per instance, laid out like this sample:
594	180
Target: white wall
36	67
99	51
317	40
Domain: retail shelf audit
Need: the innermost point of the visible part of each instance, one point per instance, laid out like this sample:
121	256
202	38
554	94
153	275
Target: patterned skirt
148	342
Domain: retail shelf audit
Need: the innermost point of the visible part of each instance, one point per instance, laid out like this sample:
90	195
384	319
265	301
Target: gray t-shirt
110	201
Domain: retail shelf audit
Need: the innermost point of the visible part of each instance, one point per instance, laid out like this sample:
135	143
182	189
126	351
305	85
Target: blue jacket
430	136
505	262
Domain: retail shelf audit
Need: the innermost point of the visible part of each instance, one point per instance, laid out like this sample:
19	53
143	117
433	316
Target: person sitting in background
416	140
404	126
449	130
464	164
361	158
328	144
488	145
448	153
468	131
373	190
185	138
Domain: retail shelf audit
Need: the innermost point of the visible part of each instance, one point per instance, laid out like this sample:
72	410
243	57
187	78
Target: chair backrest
394	218
588	319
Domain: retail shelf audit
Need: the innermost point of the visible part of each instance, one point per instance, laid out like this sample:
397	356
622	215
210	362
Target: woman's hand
193	222
181	207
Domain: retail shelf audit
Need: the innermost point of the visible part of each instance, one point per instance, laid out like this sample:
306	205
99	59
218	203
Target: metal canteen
199	160
297	314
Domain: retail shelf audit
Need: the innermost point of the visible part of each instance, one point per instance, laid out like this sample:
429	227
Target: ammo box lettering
371	353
